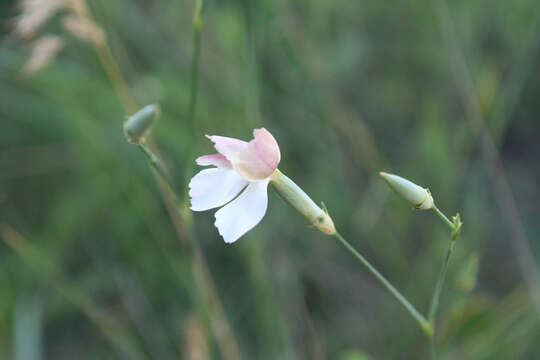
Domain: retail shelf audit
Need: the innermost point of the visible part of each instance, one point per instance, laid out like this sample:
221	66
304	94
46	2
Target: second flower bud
418	196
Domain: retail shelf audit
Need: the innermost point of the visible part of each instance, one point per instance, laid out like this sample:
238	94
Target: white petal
242	214
212	188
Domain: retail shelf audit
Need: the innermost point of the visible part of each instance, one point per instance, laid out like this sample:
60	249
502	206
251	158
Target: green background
444	94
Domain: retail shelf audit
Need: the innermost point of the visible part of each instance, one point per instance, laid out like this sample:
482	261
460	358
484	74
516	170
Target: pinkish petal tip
255	160
217	160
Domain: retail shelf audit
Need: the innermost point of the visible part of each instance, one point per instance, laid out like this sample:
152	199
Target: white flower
240	168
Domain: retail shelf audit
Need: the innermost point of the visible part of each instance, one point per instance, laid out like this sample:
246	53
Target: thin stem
115	75
194	87
443	217
424	324
197	26
155	162
455	225
440	282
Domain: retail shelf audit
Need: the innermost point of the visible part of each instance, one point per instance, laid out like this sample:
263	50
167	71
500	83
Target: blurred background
96	263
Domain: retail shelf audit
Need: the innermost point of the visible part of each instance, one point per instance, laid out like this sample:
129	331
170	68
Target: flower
240	167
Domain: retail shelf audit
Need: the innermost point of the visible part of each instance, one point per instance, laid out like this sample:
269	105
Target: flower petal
217	160
255	160
266	148
212	188
228	147
243	213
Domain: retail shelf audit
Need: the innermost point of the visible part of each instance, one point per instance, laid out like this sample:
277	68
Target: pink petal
266	149
228	147
255	160
217	160
243	213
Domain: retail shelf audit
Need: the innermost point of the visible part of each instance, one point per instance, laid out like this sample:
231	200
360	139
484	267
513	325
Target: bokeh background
94	263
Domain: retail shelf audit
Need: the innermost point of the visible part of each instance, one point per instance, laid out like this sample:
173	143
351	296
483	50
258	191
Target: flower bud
299	200
139	124
421	198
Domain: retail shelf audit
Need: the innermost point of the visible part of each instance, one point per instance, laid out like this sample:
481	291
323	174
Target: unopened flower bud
418	196
139	124
299	200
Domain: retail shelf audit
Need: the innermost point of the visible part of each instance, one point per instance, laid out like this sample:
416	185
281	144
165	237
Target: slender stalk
424	324
440	282
436	296
155	162
455	225
443	217
197	27
115	75
194	86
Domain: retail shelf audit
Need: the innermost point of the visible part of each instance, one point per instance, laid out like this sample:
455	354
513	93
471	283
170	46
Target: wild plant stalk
427	325
320	219
422	321
421	199
197	22
113	72
503	194
202	278
197	28
155	162
442	274
455	227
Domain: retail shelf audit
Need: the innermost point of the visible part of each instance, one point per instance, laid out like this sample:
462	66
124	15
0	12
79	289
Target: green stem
155	162
455	226
197	26
440	282
424	324
443	217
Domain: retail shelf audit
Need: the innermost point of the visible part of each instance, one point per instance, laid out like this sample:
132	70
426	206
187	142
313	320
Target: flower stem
424	324
155	162
194	85
440	282
455	225
443	217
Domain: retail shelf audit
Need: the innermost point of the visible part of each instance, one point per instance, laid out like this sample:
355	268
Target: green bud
418	196
138	126
299	200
